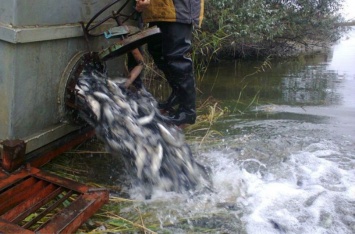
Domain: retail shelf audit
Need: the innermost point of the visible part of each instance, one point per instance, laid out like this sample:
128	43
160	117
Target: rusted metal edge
46	153
13	153
67	220
128	44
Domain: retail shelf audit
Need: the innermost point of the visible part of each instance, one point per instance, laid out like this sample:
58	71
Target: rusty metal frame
13	153
28	195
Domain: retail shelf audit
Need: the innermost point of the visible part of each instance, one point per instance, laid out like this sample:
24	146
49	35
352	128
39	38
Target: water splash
316	196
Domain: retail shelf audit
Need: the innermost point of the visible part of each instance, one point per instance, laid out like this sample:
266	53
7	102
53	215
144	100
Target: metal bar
7	227
41	203
11	193
15	187
21	195
29	206
15	178
98	14
68	221
46	211
63	182
38	192
45	154
3	174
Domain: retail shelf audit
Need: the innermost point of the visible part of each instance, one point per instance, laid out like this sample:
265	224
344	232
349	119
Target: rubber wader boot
186	112
171	54
173	100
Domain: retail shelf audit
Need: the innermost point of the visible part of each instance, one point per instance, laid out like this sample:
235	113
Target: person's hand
141	5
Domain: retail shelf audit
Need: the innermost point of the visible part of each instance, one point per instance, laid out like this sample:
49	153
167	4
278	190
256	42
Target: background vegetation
259	28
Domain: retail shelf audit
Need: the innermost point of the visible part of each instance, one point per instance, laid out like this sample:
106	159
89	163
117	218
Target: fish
146	119
134	107
170	139
121	104
130	146
140	160
157	159
108	113
95	106
102	96
114	145
132	127
113	87
83	85
79	90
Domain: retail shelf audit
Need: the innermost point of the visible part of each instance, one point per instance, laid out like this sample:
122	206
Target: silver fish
83	85
141	156
79	90
102	96
95	106
114	145
129	145
133	127
108	113
121	103
118	131
146	119
156	160
170	139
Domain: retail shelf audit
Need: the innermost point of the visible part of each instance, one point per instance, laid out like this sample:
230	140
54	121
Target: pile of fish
129	124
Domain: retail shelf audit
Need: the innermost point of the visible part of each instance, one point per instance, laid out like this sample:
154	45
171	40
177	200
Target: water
289	161
285	162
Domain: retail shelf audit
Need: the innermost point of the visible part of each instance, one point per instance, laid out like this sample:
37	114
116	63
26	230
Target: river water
283	160
288	160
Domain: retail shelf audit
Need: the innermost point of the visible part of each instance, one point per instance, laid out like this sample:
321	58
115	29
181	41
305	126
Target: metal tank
41	42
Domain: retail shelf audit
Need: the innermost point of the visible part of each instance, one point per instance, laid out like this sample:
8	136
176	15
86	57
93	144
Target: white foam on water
319	199
172	207
315	195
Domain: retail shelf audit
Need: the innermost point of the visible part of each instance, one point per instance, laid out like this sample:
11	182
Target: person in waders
171	53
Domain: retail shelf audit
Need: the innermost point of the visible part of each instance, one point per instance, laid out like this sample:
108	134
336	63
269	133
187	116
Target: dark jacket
182	11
